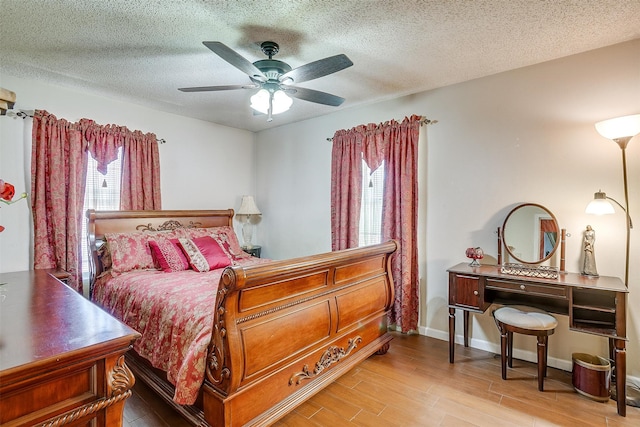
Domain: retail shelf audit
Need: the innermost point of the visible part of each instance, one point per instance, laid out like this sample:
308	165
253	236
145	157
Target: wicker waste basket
591	376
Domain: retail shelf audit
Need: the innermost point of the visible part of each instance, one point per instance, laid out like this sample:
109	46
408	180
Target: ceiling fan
274	78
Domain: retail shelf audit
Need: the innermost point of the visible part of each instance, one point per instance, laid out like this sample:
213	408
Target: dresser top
41	320
607	283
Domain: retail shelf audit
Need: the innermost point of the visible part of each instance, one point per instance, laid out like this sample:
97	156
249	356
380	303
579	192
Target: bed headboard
101	222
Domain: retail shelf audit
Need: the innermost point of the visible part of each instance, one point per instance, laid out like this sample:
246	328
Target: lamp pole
622	142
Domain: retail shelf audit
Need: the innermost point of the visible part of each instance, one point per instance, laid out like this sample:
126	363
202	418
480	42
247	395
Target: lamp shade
279	101
260	101
599	205
248	207
620	127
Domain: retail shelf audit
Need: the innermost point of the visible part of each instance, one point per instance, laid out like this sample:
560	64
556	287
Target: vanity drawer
553	291
467	292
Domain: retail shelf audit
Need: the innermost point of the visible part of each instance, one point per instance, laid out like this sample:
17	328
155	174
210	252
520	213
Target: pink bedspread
174	314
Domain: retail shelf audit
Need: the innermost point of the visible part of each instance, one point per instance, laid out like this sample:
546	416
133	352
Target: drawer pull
522	287
475	293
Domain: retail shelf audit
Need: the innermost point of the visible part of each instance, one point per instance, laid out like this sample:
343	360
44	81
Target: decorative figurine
589	262
475	254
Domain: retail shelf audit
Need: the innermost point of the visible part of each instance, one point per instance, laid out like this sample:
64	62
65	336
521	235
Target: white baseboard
565	365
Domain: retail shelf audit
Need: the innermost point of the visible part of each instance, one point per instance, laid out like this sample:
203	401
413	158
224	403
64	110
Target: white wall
202	165
521	136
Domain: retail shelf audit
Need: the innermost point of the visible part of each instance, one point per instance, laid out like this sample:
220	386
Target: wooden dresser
61	357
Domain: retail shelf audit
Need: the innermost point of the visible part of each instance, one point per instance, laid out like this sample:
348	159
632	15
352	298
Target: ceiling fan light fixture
279	101
260	101
274	78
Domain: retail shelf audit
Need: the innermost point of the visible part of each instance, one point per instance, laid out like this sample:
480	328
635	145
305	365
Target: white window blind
371	209
102	192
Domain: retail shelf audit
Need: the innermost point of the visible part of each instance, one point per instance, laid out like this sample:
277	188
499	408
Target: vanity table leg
452	333
612	357
465	318
621	376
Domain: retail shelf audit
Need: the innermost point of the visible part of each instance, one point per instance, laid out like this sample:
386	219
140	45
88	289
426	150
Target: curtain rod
423	121
23	114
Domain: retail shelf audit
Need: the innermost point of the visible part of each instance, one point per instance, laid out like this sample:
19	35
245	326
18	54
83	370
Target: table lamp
247	209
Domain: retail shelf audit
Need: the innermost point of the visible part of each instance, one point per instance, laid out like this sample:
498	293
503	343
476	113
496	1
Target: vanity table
595	305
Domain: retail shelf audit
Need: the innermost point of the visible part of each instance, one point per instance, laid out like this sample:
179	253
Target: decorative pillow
130	251
229	241
204	253
105	256
168	254
226	238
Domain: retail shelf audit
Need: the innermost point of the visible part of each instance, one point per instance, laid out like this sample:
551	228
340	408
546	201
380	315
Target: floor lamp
620	130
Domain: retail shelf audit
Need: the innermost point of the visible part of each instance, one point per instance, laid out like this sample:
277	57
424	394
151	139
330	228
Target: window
102	192
371	209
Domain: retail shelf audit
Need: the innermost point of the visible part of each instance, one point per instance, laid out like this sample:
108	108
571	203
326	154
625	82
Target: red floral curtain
346	189
400	217
140	181
396	144
104	142
58	174
140	184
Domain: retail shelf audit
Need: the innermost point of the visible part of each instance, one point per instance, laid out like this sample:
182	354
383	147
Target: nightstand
253	251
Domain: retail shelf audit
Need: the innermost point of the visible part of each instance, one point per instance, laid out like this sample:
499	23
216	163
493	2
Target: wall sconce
620	130
247	209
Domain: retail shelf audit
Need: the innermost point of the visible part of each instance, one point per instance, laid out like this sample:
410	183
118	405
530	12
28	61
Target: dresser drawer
44	397
552	291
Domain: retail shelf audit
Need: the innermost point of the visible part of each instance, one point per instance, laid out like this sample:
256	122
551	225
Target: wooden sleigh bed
280	330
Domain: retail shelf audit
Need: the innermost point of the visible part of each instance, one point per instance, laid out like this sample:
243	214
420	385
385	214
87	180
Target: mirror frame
559	239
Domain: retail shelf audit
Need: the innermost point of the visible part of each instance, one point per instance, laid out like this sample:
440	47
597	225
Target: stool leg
542	367
503	351
510	345
546	354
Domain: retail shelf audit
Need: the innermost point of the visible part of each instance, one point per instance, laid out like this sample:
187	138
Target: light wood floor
414	385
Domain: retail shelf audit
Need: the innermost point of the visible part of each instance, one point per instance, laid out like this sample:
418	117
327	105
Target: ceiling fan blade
313	95
319	68
238	61
216	88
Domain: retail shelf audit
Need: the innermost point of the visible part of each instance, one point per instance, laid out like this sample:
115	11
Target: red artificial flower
7	191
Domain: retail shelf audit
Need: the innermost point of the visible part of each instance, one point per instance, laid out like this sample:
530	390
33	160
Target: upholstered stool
527	321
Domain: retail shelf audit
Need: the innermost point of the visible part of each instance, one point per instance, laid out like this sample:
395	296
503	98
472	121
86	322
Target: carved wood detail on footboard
285	330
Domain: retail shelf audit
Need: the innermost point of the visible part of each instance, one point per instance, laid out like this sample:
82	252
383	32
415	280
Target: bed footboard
285	330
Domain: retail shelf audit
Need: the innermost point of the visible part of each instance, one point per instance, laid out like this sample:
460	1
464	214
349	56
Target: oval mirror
530	233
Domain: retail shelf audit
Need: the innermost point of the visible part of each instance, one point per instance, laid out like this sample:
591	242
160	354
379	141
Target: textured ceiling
143	51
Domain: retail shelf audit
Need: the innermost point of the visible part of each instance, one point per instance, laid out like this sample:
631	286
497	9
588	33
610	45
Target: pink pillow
131	251
226	238
204	253
169	255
